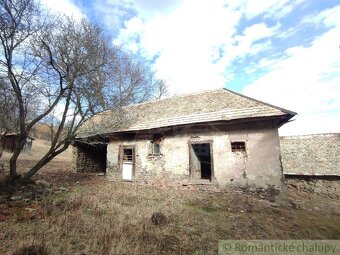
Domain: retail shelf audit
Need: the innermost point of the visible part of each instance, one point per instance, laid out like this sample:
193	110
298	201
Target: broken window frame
238	146
128	157
122	161
156	143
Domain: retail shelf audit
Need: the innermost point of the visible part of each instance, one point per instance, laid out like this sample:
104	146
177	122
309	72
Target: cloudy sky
283	52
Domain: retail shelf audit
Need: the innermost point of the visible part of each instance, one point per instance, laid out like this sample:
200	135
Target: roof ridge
175	96
261	102
198	93
158	100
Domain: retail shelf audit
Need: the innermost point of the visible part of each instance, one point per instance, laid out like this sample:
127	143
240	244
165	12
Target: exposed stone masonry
311	163
323	186
311	154
89	158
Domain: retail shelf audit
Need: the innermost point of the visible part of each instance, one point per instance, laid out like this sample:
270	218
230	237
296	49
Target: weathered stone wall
259	166
148	168
326	186
311	154
311	163
88	158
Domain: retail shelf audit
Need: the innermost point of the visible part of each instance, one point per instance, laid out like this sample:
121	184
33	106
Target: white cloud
65	7
329	17
152	8
186	41
195	46
258	31
307	81
312	124
111	13
267	8
248	43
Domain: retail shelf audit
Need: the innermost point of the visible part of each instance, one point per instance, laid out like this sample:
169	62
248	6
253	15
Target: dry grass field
39	148
85	214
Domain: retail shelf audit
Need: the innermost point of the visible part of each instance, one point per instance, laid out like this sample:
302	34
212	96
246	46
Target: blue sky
280	51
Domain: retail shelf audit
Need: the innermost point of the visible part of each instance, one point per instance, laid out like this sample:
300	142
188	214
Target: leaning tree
70	67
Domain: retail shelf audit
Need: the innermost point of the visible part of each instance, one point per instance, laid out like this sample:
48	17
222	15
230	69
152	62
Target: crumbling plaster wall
148	167
259	167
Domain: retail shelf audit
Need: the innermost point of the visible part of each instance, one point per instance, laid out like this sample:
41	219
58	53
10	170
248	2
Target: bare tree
122	81
161	89
127	81
71	52
8	113
19	22
8	108
69	67
37	54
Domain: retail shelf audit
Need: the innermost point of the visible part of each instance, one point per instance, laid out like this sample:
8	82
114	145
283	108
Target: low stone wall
326	186
311	163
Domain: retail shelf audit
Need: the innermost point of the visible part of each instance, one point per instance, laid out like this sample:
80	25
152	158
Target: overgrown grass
39	149
115	218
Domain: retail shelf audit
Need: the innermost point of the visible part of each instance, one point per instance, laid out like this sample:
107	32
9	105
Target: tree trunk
36	168
46	159
2	143
21	139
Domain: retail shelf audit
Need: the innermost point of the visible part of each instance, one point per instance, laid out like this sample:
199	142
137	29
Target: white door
127	171
128	160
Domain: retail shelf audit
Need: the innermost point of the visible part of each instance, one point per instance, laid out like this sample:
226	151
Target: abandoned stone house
212	137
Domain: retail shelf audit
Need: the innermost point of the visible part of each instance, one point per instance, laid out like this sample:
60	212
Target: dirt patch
57	172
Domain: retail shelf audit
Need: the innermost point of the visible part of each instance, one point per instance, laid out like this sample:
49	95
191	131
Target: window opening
127	155
155	146
238	146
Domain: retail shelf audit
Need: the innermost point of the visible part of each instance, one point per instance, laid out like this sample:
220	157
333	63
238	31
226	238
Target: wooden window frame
152	147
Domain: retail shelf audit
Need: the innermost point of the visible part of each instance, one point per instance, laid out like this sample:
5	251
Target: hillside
39	148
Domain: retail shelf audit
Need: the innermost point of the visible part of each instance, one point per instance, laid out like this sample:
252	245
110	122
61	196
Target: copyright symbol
227	247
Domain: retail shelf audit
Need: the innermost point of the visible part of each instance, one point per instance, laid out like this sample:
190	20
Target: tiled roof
207	106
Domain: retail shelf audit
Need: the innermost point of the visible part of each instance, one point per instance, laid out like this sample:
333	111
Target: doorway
90	157
201	162
127	155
